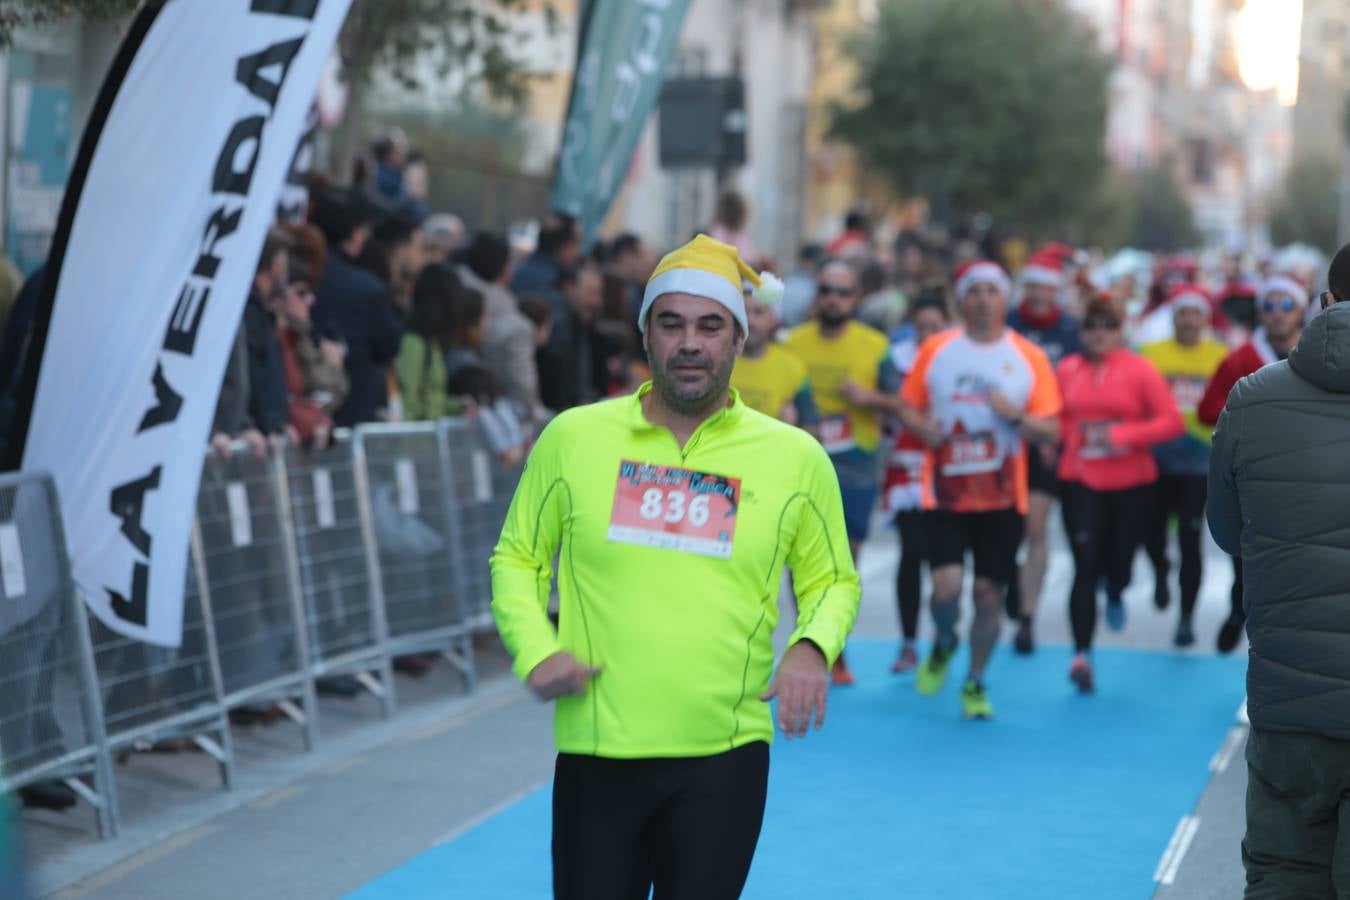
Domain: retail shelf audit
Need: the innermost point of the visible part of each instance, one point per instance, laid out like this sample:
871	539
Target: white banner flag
177	179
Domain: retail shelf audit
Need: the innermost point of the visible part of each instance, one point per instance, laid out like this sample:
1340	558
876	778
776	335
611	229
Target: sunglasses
1101	325
827	289
1285	305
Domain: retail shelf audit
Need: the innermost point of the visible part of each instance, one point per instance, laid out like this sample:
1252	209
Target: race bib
1095	452
675	509
970	454
1188	393
836	434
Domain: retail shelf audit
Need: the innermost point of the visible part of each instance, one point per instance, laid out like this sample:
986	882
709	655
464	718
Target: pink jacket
1125	392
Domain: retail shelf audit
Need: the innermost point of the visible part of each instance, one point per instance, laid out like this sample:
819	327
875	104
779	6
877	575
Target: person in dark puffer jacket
1279	493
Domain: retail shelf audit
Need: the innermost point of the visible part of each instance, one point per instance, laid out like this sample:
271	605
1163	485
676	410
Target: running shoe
840	676
1080	673
1023	642
975	702
1115	614
1162	593
1229	633
932	675
1185	633
907	661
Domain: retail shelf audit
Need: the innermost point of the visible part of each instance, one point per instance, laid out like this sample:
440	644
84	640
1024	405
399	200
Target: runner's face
763	323
1189	324
1040	296
986	307
837	295
928	322
1280	324
1100	337
692	344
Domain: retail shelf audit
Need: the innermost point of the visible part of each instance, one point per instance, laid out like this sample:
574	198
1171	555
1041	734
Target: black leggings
1103	529
1183	495
687	826
909	577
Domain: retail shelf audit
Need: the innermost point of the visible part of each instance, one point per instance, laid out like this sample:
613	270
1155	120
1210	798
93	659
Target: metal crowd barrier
51	720
302	566
342	595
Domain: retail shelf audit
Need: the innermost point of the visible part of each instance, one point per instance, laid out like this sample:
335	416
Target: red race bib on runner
969	454
674	508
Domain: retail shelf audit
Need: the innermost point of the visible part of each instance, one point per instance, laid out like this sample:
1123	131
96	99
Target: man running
674	508
1040	319
854	381
1281	310
1188	361
976	394
769	378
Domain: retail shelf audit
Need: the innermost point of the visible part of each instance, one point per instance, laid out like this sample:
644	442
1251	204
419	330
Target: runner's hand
801	686
1001	405
561	675
929	431
855	394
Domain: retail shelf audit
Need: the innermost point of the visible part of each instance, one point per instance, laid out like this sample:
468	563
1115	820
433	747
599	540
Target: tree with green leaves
1308	208
1162	219
474	41
991	105
16	14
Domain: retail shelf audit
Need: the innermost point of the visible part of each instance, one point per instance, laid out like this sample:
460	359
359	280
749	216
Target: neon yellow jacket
669	569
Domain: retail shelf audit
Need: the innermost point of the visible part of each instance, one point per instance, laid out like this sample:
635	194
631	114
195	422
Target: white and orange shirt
981	465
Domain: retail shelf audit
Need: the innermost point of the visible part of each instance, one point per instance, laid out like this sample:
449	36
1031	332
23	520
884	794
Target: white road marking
486	814
1176	850
1224	755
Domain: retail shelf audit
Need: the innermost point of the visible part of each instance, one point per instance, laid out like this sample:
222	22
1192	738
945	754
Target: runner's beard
691	399
831	320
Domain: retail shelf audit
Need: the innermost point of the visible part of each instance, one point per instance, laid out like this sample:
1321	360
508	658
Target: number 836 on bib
675	509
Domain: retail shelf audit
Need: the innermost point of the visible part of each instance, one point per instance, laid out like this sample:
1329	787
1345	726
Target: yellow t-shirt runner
773	382
1188	371
668	570
861	355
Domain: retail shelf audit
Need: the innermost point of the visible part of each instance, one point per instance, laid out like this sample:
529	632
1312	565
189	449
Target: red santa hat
1046	267
1284	284
980	271
1187	295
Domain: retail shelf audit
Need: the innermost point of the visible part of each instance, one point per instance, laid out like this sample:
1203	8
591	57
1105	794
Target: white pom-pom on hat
771	288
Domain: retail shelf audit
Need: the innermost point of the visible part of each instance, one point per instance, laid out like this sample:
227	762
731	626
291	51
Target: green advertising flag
624	50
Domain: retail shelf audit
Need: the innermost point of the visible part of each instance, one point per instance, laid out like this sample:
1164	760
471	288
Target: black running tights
686	826
909	576
1103	529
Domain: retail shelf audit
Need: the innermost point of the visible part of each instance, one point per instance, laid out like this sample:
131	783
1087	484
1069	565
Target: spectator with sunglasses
1116	409
1277	489
1281	310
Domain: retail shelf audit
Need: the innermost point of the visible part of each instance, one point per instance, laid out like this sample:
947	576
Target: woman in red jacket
1116	407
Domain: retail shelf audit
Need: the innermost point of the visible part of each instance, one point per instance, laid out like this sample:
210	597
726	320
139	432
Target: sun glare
1268	33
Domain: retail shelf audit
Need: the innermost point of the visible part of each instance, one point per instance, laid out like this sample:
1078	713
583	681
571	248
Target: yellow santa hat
709	268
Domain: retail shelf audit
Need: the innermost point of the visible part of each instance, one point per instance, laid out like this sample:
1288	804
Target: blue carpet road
1061	796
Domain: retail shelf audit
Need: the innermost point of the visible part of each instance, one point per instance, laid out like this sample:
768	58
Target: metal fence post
224	752
292	569
379	619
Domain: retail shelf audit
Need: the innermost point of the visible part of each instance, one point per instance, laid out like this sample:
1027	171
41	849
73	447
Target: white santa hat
980	271
1283	284
1044	268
